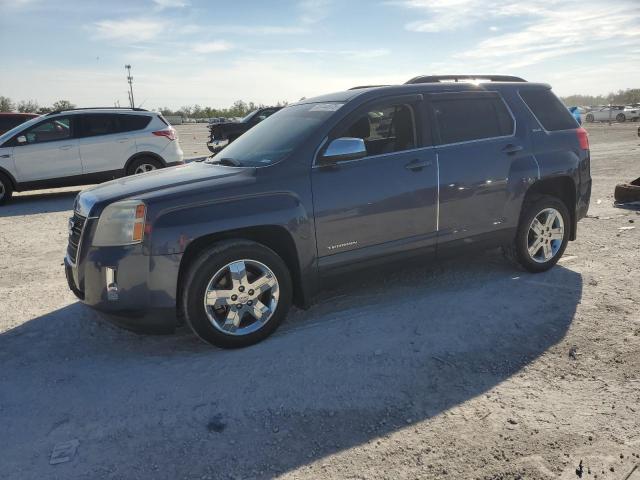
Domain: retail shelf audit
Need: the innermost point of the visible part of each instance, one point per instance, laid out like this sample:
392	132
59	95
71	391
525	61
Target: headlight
121	223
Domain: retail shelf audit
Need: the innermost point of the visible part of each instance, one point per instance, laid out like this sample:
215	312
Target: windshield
274	138
10	133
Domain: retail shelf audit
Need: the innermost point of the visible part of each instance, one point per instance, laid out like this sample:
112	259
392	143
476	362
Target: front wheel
542	236
6	189
589	118
236	294
621	118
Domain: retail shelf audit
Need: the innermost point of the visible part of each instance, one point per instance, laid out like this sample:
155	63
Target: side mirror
345	148
21	139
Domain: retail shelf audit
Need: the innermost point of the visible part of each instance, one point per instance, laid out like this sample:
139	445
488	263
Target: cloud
259	29
313	11
131	31
162	4
535	31
355	54
212	47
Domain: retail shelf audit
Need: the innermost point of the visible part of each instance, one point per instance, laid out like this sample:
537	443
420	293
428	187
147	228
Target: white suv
84	146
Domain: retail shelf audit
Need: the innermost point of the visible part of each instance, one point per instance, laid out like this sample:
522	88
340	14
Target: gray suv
327	185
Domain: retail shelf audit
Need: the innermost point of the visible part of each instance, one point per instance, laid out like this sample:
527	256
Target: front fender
173	230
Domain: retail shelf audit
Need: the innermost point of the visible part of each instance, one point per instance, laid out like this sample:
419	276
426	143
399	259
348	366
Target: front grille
76	225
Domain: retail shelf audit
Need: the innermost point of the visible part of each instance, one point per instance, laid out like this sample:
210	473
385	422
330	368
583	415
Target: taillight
583	138
170	133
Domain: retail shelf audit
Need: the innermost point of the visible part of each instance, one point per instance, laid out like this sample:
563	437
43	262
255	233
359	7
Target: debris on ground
628	192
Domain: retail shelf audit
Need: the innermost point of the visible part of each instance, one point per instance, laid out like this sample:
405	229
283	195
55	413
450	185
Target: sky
213	52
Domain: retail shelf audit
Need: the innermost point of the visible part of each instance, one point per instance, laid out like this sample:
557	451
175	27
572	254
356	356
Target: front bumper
136	291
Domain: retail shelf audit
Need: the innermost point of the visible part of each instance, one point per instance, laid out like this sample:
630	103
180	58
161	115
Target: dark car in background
326	186
9	120
222	134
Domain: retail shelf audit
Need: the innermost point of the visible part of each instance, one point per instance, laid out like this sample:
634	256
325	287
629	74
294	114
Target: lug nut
251	292
241	288
249	303
239	305
234	298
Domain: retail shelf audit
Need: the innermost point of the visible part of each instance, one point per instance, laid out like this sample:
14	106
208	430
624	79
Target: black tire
589	118
518	251
621	118
203	270
627	192
140	162
6	189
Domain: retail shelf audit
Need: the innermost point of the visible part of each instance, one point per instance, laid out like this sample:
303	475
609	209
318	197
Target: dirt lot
466	369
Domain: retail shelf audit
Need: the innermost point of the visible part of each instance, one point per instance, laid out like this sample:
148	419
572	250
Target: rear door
477	146
51	151
106	142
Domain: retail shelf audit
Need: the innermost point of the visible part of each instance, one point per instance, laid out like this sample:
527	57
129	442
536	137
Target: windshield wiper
228	162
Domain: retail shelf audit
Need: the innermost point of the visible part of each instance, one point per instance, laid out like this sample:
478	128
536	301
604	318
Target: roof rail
367	86
457	78
135	109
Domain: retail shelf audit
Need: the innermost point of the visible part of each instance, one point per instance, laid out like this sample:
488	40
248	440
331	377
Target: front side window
50	131
384	129
470	118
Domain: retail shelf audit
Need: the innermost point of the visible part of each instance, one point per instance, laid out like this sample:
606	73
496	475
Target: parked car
619	113
313	192
84	146
222	134
9	120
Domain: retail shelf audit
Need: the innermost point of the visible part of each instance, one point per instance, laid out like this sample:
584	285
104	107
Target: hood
172	178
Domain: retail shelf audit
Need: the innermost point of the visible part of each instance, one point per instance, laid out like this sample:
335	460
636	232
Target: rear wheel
621	118
143	165
236	294
6	189
542	236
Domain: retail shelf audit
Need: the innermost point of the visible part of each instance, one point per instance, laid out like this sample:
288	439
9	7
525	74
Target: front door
51	151
385	201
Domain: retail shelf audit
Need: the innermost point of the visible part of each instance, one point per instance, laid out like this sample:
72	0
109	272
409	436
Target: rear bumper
135	291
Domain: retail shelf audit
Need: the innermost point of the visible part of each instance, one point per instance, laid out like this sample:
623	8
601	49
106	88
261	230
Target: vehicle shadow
373	357
36	203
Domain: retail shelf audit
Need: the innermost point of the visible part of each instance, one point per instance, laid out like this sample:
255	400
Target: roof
430	86
20	114
100	110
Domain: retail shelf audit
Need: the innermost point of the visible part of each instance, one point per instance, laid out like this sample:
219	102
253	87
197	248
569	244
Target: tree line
240	108
31	106
621	97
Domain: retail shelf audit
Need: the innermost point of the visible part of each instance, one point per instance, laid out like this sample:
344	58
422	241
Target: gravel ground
465	369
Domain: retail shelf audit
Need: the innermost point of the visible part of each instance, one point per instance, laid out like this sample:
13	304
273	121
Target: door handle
6	155
511	149
122	140
417	164
66	147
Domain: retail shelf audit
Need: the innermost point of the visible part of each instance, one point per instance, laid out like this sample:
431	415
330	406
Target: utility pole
130	80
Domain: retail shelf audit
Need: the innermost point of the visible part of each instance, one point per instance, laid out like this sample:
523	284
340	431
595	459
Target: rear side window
550	112
466	117
108	123
8	122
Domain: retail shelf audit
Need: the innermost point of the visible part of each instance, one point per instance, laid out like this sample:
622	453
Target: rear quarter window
549	110
129	123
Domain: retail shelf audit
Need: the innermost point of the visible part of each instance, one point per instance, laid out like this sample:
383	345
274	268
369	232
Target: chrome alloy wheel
241	297
545	236
144	168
